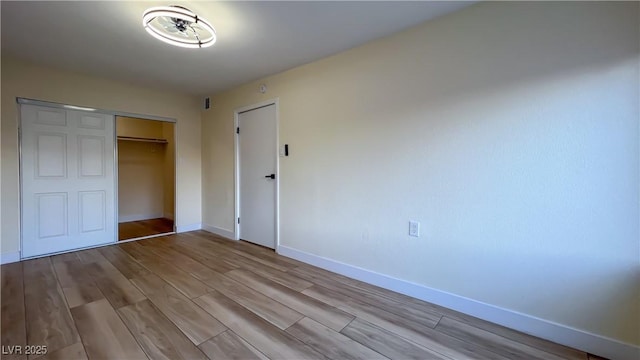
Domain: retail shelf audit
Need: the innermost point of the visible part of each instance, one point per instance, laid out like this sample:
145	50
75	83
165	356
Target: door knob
272	176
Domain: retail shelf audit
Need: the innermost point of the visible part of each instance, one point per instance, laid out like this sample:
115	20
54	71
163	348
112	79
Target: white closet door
68	185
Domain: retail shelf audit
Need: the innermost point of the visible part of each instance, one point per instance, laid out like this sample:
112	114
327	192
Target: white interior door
67	174
257	156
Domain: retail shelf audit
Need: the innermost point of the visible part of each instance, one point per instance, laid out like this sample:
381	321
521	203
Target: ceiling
255	39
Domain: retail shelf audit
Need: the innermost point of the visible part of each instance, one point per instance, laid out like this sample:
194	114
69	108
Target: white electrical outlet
414	228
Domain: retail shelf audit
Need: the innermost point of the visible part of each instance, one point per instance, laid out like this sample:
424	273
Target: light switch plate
414	228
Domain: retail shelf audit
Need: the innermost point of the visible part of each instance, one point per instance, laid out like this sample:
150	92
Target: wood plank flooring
198	296
136	229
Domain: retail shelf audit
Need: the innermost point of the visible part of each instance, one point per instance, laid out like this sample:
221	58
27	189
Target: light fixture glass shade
178	26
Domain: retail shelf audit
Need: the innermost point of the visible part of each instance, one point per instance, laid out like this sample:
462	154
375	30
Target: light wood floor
136	229
197	296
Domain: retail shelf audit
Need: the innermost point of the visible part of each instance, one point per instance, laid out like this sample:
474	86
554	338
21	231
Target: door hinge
237	130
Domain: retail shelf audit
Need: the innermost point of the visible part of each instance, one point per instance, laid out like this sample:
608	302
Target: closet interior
146	177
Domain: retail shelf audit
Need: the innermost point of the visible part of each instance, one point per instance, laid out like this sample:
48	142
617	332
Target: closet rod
132	138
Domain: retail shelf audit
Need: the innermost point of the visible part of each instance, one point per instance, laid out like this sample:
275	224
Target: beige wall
136	127
21	79
145	170
509	130
140	180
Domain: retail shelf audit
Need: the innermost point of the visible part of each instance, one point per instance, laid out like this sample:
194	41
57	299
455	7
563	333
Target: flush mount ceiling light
178	26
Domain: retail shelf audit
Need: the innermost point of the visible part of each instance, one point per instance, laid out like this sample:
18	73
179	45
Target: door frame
236	153
26	101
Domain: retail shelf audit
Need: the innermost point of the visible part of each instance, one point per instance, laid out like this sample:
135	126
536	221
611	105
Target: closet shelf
141	139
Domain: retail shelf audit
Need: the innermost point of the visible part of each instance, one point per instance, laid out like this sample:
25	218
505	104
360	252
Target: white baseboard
9	257
219	231
138	217
558	333
189	227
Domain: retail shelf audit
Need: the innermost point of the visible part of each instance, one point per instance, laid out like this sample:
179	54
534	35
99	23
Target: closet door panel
91	150
93	210
67	175
51	155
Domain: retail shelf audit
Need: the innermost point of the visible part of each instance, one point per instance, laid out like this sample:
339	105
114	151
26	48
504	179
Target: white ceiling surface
255	39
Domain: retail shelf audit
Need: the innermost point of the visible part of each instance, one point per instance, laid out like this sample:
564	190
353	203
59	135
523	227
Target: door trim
236	154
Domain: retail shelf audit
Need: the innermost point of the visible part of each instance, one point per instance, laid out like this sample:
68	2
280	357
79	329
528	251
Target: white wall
509	130
20	79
